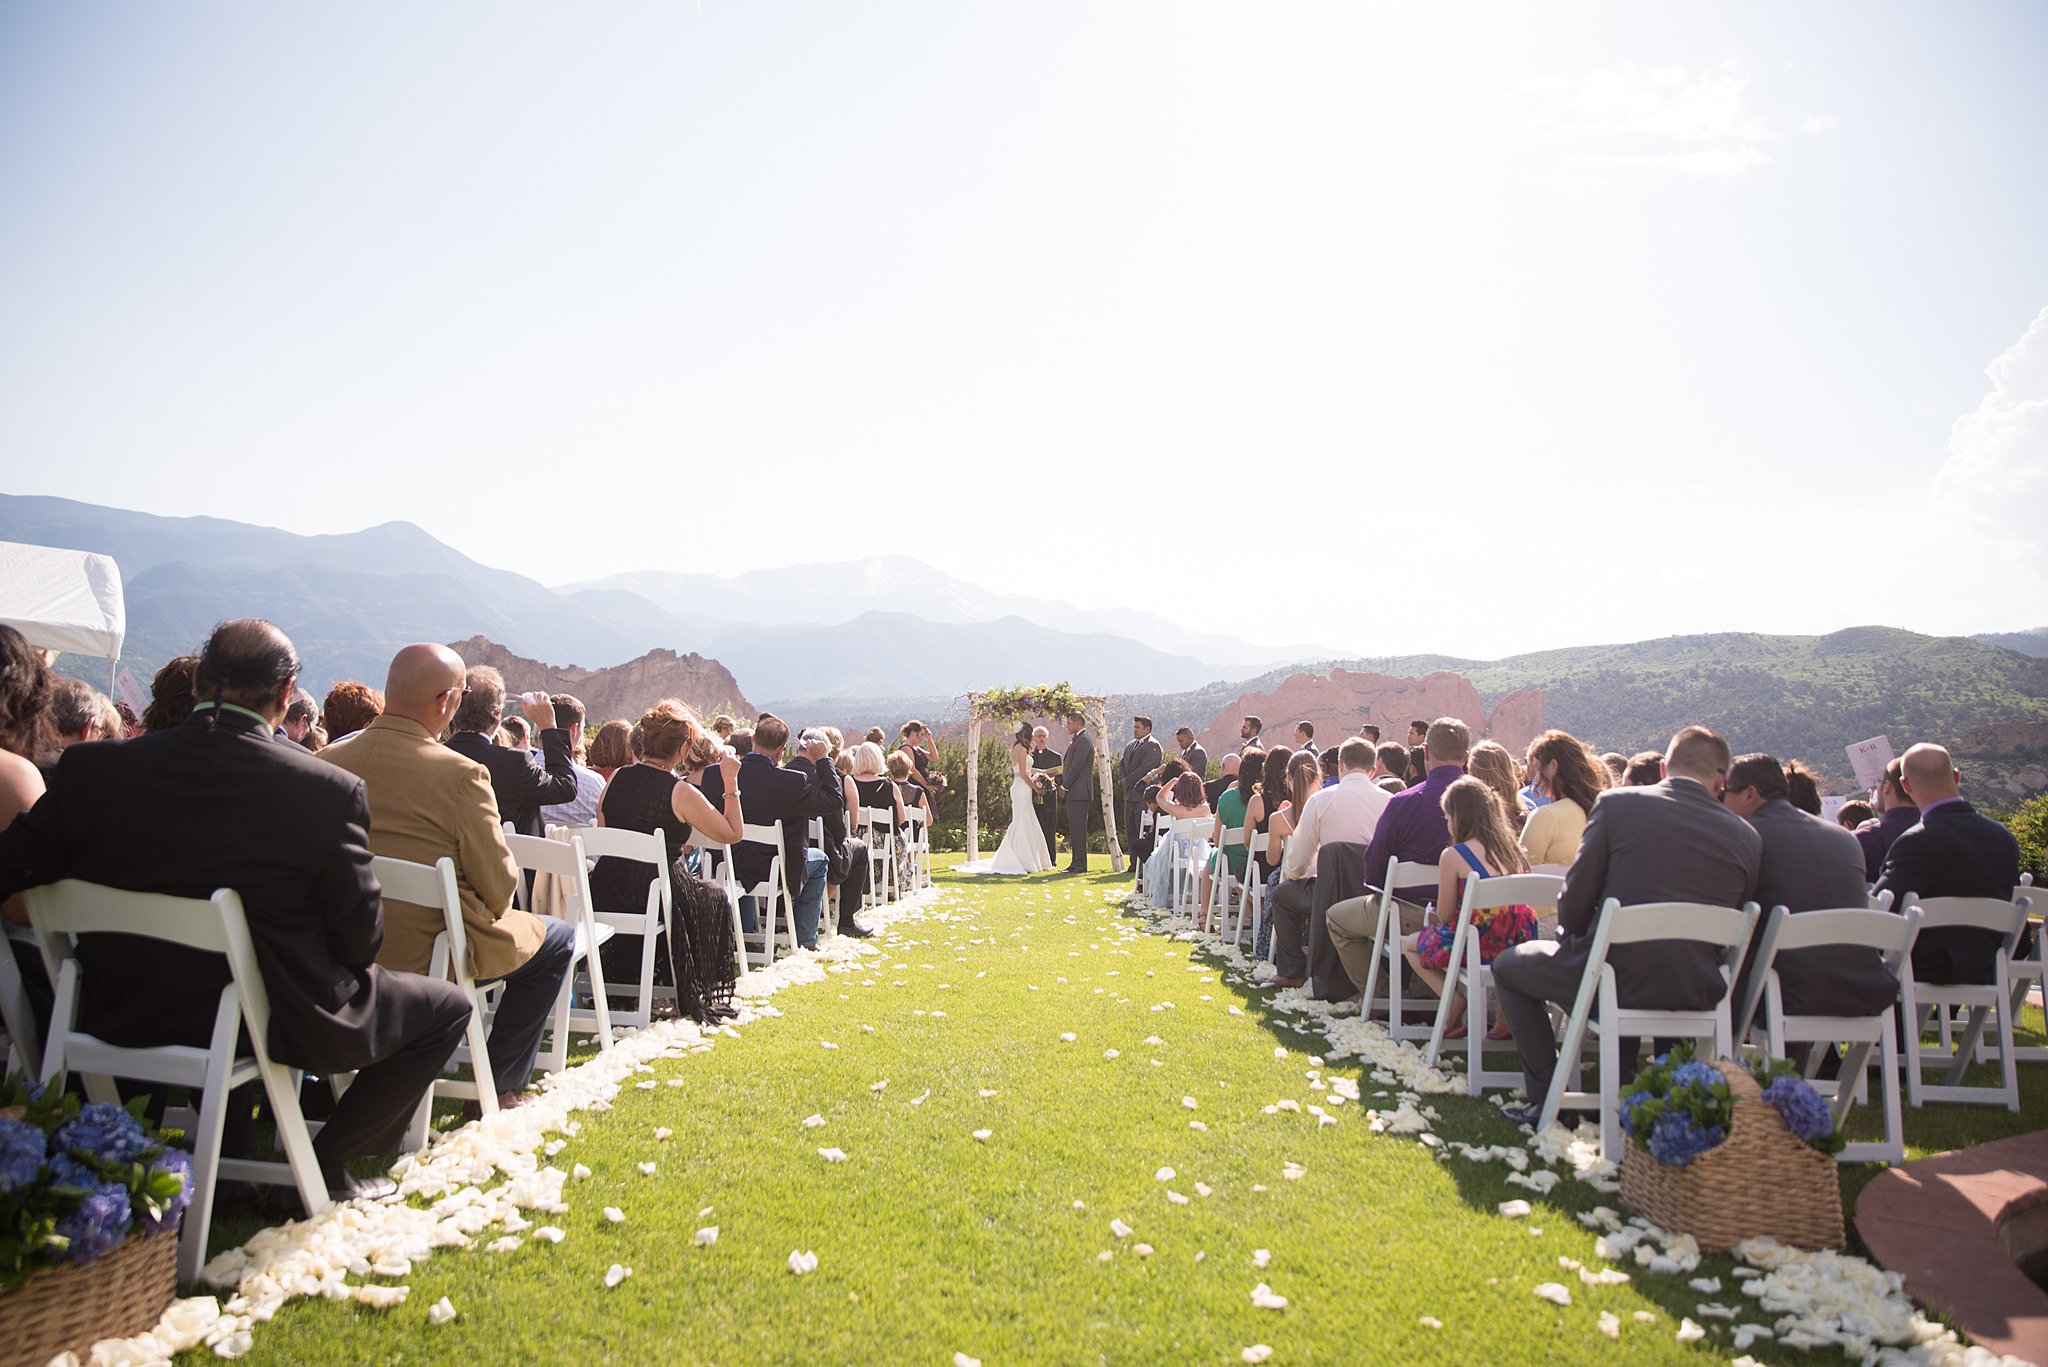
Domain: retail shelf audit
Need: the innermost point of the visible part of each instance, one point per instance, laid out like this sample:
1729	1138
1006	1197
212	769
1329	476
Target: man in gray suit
1808	865
1077	769
1192	754
1669	842
1139	758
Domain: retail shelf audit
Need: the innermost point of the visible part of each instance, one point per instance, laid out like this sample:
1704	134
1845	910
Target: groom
1077	767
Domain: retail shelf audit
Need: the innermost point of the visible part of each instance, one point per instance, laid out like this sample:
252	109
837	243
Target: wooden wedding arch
1018	704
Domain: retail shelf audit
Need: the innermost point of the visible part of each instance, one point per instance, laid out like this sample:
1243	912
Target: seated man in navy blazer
771	794
1953	852
521	789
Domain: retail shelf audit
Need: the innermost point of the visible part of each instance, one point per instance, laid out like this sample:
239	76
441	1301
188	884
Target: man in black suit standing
1305	737
521	789
1668	842
217	803
1192	754
1953	852
1044	795
789	796
1077	769
1139	758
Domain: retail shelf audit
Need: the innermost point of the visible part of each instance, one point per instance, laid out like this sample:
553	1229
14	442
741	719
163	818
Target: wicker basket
75	1305
1761	1180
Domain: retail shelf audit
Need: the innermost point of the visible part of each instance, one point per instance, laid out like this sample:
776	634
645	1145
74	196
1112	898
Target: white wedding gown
1023	849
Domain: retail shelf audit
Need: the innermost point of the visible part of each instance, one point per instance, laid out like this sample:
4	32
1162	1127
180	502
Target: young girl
1483	845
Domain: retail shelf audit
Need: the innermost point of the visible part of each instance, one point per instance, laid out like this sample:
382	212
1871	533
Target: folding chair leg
282	1088
1967	1050
213	1110
1610	1094
2008	1064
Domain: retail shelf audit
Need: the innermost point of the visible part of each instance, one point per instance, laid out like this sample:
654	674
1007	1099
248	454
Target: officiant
1045	798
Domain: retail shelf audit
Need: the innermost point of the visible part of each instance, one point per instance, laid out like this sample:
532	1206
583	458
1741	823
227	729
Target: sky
1469	328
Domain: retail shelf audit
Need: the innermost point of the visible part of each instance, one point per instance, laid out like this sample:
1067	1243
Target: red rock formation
624	690
1341	702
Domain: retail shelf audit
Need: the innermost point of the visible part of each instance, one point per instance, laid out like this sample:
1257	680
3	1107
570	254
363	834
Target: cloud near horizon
1700	125
1996	475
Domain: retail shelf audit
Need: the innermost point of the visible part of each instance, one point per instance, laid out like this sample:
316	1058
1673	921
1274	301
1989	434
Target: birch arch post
1015	704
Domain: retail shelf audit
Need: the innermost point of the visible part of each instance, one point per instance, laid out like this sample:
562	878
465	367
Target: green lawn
930	1242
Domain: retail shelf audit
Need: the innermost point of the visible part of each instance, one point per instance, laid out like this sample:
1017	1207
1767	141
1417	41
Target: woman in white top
1560	769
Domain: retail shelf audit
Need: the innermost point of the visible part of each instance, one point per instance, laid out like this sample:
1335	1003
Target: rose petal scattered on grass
962	1360
1120	1229
646	1169
1190	1103
878	1086
1430	1322
983	1135
1112	1053
1068	1037
1554	1292
1688	1332
1257	1353
441	1311
1204	1189
1514	1210
1260	1257
1142	1250
662	1132
918	1100
802	1263
615	1274
832	1155
550	1233
812	1122
1265	1298
1163	1175
504	1245
579	1172
705	1237
1198	1125
1176	1198
1610	1324
615	1215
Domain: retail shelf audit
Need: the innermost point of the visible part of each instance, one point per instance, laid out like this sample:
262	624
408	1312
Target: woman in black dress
648	796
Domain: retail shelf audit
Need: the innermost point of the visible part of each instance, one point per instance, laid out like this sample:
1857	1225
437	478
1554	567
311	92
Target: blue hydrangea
21	1155
1805	1113
1676	1139
173	1161
104	1131
1686	1074
66	1171
99	1224
1628	1109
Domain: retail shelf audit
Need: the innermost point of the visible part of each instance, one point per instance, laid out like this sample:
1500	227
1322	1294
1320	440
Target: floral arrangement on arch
1679	1108
76	1180
1041	700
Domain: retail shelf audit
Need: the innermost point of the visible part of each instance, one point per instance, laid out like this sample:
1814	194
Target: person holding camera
521	789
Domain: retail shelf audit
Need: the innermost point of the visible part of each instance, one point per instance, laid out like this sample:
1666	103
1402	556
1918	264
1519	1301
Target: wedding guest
1139	758
521	789
1412	829
1230	805
1300	780
1327	761
877	738
611	749
131	725
75	715
1214	788
1953	851
1854	813
1418	734
172	694
722	726
1616	765
315	740
300	717
741	741
1483	845
841	840
1248	733
1561	771
1191	753
1802	787
1643	770
217	803
1268	800
1418	765
1896	814
1392	763
1184	801
919	745
582	809
1492	765
787	797
875	793
349	708
26	737
513	735
1349	812
1305	736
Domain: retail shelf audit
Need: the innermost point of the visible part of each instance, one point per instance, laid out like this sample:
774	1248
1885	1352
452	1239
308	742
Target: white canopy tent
63	600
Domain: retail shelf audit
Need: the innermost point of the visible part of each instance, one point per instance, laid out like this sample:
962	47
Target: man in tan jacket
426	802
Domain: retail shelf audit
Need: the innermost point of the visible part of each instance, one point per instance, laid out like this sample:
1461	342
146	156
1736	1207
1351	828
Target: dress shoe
345	1186
1266	983
1530	1114
853	929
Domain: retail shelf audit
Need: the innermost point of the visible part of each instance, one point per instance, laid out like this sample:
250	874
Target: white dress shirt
1347	810
580	810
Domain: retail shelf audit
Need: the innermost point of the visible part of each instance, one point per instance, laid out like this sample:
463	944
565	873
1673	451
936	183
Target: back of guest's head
482	705
1393	757
835	738
814	735
1418	727
512	731
1355	755
899	766
304	707
1575	779
1251	768
1273	782
1616	765
569	713
843	762
612	746
1854	813
350	707
1304	776
722	726
1698	753
1760	772
247	662
1492	765
131	725
1418	764
1229	764
173	693
75	710
877	737
868	760
741	740
1187	790
1893	782
636	741
1929	773
1328	760
1472	811
771	734
1802	787
25	686
1449	741
667	729
315	739
1644	769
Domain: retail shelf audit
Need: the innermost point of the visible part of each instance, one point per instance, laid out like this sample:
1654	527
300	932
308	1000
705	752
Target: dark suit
197	808
1043	800
1077	769
1814	865
1139	758
1668	842
1953	852
521	789
1197	759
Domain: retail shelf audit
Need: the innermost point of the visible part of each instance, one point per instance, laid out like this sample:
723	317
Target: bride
1023	849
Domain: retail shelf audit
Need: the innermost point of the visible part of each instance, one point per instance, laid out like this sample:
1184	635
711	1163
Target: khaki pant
1351	929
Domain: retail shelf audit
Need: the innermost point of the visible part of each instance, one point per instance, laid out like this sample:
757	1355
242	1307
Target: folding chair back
771	895
715	859
215	925
1984	1001
2027	973
879	823
1386	949
1468	971
1223	883
433	885
917	837
566	861
1251	892
24	1047
652	920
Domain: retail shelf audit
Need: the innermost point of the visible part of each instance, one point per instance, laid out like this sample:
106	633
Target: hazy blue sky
1645	320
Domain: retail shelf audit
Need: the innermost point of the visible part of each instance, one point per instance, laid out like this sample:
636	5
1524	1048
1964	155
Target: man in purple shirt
1897	814
1412	830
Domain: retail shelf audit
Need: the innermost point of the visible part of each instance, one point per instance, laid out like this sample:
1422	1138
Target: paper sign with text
1868	758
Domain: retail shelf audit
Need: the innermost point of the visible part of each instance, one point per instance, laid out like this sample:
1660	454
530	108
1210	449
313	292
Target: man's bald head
1929	774
420	683
1231	764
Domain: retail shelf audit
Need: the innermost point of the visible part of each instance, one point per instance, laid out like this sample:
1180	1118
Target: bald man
428	802
1953	852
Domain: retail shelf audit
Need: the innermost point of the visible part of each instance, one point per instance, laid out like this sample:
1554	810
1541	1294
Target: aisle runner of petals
454	1177
1784	1296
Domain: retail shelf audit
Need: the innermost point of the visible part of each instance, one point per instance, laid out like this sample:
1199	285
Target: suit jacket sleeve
481	855
31	854
549	786
822	793
1586	879
346	892
1906	867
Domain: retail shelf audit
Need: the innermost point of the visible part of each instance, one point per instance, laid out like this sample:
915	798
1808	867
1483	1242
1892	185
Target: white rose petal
1514	1210
1112	1053
1142	1250
662	1132
918	1100
826	1044
1260	1257
504	1245
615	1274
615	1215
579	1172
441	1311
1688	1332
1120	1229
1190	1103
983	1135
1430	1322
1067	1038
550	1233
1176	1198
1265	1298
1610	1324
1198	1125
1257	1353
646	1169
878	1086
1163	1175
987	1092
1553	1292
962	1360
1204	1189
832	1155
706	1236
803	1262
812	1122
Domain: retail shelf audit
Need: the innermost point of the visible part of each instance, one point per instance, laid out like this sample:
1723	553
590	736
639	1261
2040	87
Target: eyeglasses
463	689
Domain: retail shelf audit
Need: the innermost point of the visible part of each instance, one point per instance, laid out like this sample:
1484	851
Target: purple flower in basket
104	1131
178	1163
66	1171
1805	1113
21	1155
1686	1074
98	1226
1628	1109
1676	1139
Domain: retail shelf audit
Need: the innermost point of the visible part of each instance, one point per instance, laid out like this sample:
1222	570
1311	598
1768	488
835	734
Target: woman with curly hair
1560	769
26	736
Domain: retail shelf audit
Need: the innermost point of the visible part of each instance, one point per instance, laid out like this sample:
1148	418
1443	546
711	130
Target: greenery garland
1041	700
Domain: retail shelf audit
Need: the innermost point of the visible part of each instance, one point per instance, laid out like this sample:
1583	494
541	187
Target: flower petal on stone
802	1263
1265	1298
1553	1292
616	1273
706	1236
441	1311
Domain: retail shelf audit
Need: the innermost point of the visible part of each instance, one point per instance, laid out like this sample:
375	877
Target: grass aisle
931	1242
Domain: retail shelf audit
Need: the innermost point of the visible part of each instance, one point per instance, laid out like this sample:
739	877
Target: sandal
1500	1032
1458	1031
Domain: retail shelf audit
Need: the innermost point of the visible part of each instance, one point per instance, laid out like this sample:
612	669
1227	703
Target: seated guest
1670	842
1807	865
1213	789
1328	763
1561	772
131	725
788	796
300	717
1802	787
1952	852
1305	736
1483	845
1413	830
1418	765
1896	815
349	708
580	810
1643	770
428	801
844	845
649	796
75	714
171	695
217	803
1350	812
1183	800
1492	765
521	789
1852	814
872	790
1616	765
26	737
1269	797
1392	763
513	735
741	741
611	749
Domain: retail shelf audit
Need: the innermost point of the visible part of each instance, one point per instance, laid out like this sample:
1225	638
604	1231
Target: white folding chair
2027	980
1981	1000
1190	856
1146	828
24	1050
715	864
651	921
1223	884
1251	891
880	825
566	860
770	896
917	837
1892	936
1724	929
1467	973
216	925
434	886
1386	948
